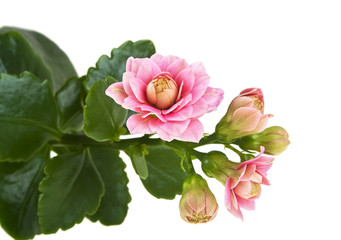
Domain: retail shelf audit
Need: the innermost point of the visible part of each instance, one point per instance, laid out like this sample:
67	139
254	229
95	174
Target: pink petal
265	181
163	62
181	115
174	129
262	123
133	64
164	135
138	125
116	92
246	203
199	88
245	119
235	209
147	109
199	108
198	69
179	105
147	71
213	97
185	77
154	124
243	189
228	200
257	177
177	66
139	89
126	78
241	172
132	103
194	131
250	170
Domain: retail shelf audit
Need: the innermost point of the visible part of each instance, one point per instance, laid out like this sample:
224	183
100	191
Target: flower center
162	91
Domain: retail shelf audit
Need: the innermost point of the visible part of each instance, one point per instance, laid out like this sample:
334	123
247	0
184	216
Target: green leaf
28	116
137	156
114	203
115	66
70	100
165	174
103	118
25	50
71	190
17	56
19	195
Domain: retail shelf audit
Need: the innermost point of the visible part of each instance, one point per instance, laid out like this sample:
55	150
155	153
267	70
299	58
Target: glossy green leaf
137	156
114	203
19	195
70	101
115	66
28	116
165	174
26	50
17	56
71	190
103	117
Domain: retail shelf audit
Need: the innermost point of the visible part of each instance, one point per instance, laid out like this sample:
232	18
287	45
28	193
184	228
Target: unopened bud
197	204
244	116
162	91
273	139
215	164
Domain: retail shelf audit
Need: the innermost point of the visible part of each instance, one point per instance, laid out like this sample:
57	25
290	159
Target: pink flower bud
197	204
162	91
244	116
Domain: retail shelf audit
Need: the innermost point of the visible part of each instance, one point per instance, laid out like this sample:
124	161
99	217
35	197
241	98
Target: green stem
240	154
123	144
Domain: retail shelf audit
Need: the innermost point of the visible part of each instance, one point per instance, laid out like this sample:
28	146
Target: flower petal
199	108
240	170
246	203
177	66
228	199
179	105
139	89
126	78
116	92
186	79
235	209
174	129
147	71
138	125
199	88
213	97
249	171
245	119
181	115
194	131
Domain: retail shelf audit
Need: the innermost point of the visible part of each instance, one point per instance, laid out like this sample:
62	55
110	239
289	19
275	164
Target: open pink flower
242	190
169	96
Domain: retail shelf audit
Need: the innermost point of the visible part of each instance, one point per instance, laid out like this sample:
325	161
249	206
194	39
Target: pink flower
244	116
242	189
169	96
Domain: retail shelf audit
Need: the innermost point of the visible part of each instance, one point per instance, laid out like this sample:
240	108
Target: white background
291	49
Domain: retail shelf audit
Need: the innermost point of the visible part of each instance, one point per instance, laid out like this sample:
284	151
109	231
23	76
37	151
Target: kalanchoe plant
46	107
